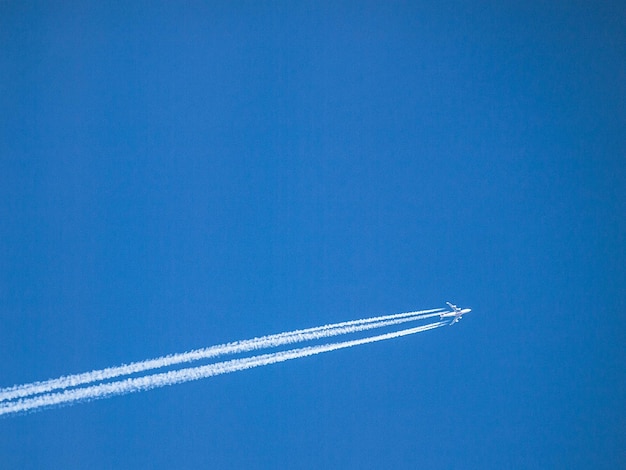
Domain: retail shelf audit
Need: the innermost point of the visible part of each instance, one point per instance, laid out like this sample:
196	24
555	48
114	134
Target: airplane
457	313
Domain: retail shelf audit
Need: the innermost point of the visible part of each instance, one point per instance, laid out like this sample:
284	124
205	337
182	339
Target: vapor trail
147	382
263	342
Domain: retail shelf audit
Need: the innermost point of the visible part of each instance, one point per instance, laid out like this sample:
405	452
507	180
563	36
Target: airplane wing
457	313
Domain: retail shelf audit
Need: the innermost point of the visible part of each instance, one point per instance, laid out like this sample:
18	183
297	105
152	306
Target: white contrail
163	379
35	388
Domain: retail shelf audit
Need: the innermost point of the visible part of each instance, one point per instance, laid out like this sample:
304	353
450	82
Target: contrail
163	379
263	342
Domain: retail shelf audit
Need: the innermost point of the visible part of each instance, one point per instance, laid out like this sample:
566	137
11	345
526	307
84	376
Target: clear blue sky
178	175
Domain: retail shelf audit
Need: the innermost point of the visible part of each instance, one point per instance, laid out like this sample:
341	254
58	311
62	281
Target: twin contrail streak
91	386
163	379
263	342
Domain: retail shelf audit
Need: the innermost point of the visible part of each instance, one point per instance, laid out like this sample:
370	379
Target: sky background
174	176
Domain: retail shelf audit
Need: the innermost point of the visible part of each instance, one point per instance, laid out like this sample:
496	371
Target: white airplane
457	313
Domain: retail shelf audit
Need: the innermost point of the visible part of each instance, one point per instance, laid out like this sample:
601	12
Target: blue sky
176	176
